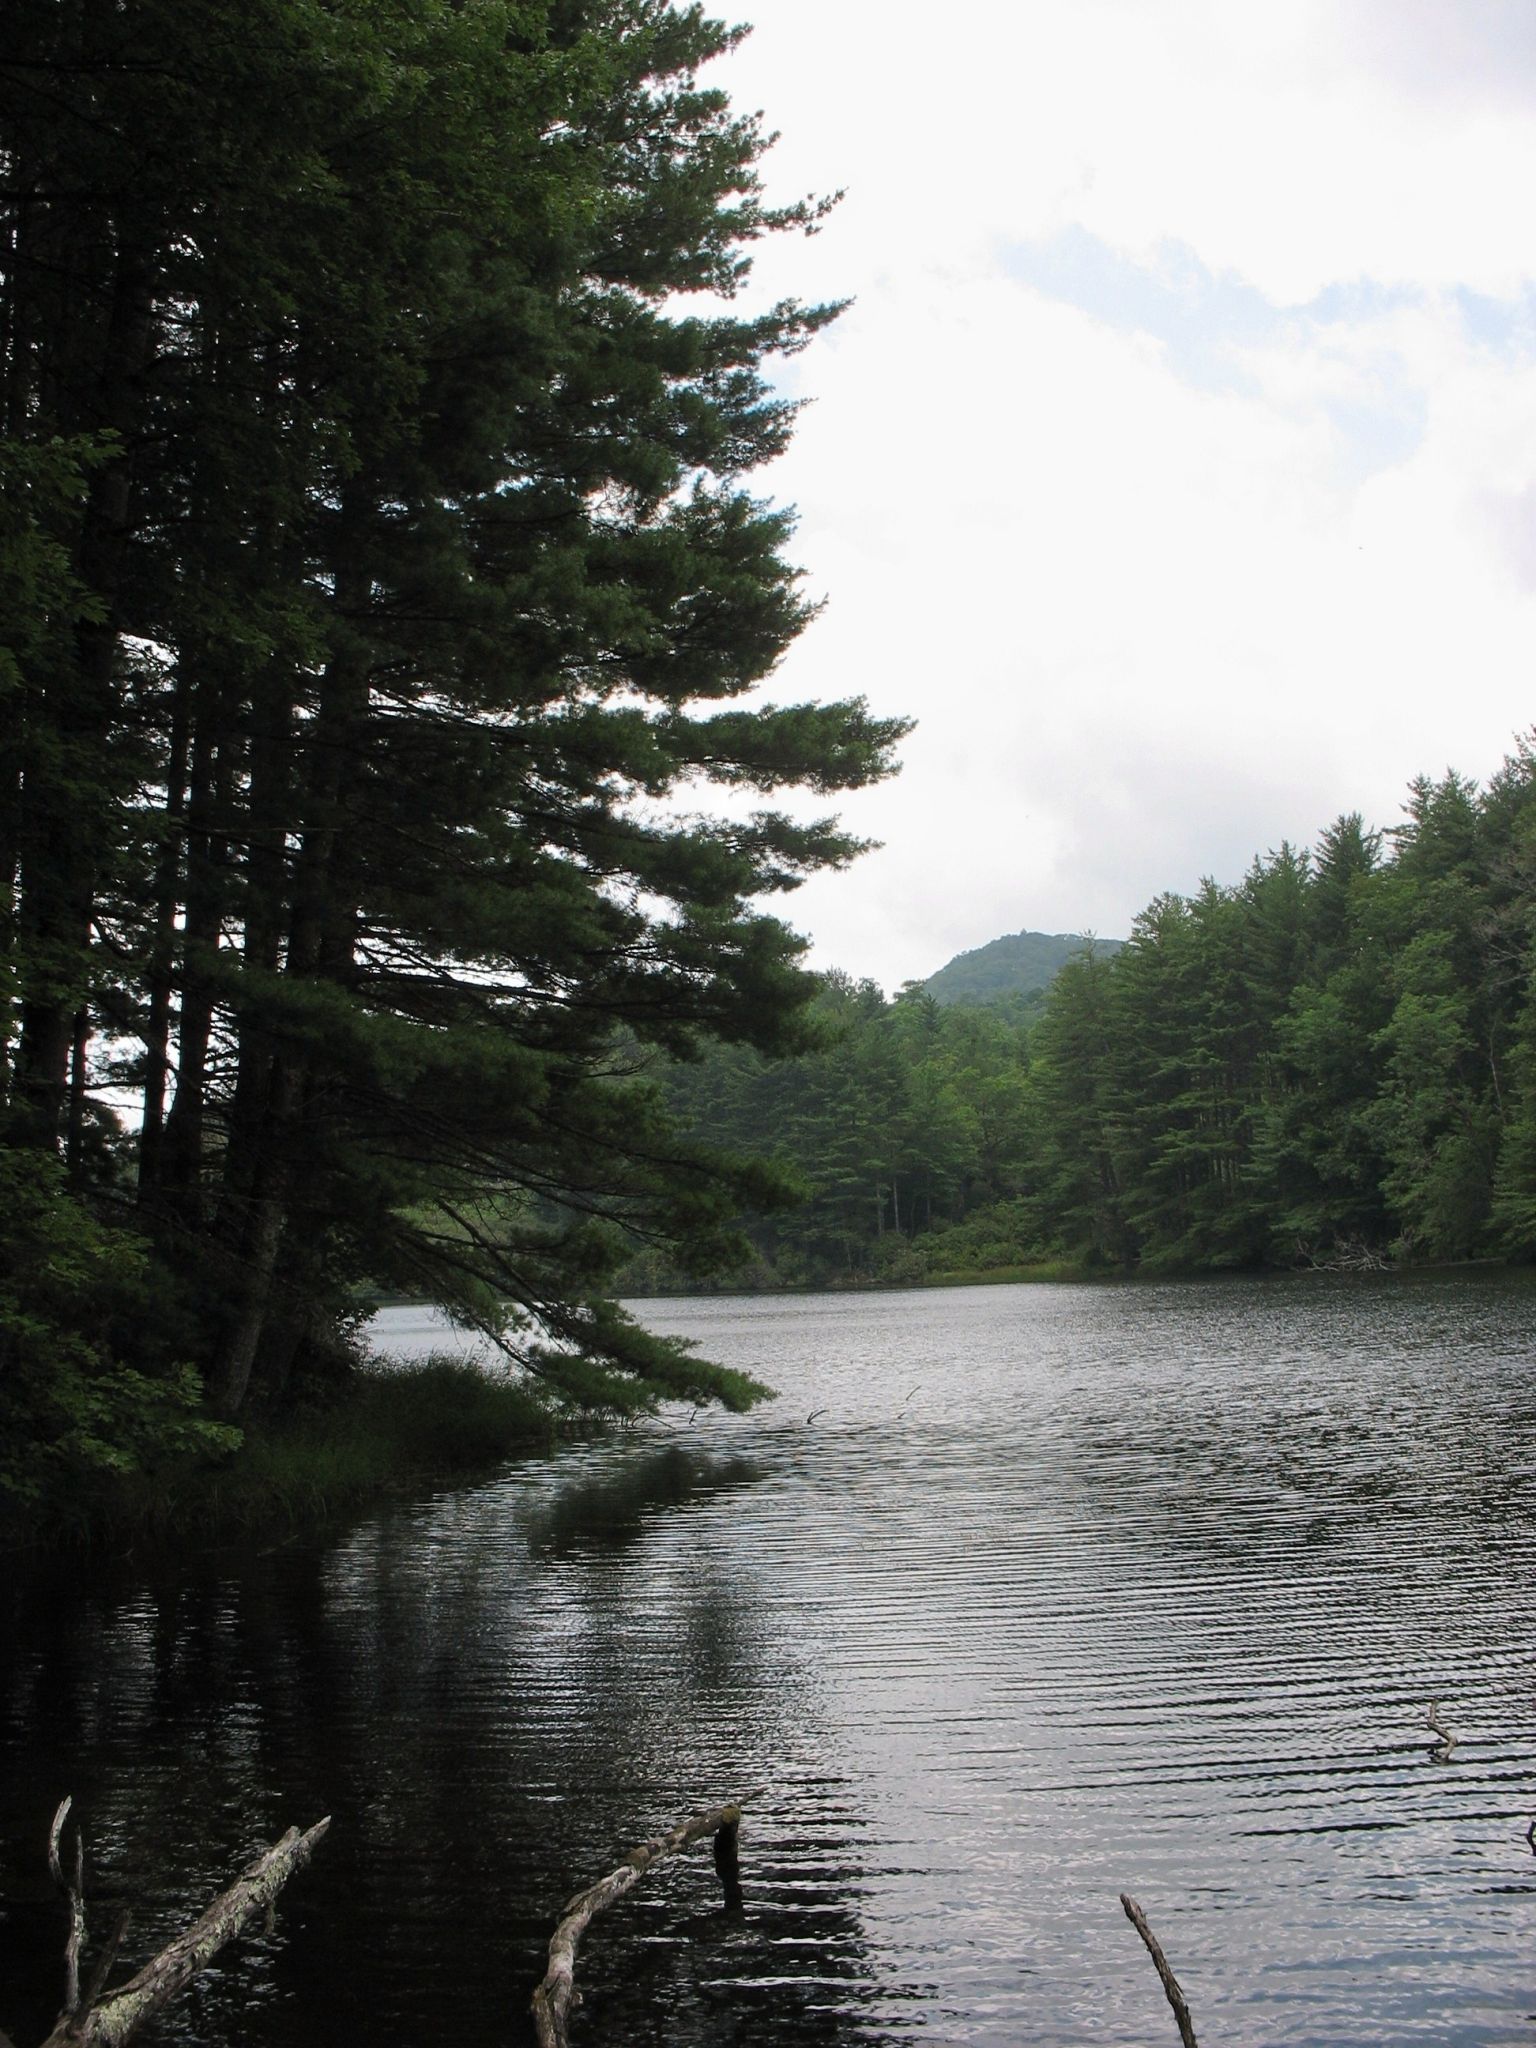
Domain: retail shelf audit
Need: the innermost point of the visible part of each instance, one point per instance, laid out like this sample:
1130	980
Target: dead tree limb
556	1993
73	1888
1170	1983
110	2023
101	1969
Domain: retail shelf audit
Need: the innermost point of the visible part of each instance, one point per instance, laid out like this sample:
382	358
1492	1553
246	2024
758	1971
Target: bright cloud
1176	466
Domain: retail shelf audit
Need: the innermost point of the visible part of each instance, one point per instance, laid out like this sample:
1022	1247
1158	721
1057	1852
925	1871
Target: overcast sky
1176	465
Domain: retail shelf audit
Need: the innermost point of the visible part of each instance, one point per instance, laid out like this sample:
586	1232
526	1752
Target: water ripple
1064	1591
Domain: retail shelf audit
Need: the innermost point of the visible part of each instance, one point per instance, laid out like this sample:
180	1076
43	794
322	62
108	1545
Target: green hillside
1019	963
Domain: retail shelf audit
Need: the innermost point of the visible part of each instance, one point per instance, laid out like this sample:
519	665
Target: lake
1015	1599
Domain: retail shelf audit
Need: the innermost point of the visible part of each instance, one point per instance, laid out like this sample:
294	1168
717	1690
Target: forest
1331	1062
385	598
377	558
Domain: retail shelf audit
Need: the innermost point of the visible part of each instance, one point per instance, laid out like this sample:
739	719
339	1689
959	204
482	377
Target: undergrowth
382	1433
1036	1269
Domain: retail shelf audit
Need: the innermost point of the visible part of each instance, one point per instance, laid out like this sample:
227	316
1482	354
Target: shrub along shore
375	1432
379	1433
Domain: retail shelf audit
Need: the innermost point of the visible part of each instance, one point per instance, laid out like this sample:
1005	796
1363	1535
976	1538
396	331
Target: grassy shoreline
1075	1272
389	1433
884	1283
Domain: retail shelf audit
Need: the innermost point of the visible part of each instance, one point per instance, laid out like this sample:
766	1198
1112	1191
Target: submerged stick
728	1862
110	2023
1176	1998
1447	1742
556	1992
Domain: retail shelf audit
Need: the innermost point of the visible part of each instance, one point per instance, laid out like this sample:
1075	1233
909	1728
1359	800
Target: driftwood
91	2021
556	1994
1170	1983
1347	1255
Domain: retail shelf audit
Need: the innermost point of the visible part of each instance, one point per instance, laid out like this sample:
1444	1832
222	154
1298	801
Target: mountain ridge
1016	964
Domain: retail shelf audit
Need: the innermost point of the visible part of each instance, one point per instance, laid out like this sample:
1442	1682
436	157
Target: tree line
377	556
1331	1061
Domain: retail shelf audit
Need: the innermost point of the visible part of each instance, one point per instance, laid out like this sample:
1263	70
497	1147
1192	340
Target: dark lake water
1015	1599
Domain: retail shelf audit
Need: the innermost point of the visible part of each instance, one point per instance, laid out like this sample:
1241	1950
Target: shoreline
1068	1272
440	1422
389	1434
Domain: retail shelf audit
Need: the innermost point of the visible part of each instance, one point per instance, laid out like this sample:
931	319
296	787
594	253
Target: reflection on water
1064	1591
609	1509
494	1701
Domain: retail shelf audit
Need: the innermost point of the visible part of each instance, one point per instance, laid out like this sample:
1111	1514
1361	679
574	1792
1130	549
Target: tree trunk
78	1062
181	1147
321	939
261	1234
66	831
162	963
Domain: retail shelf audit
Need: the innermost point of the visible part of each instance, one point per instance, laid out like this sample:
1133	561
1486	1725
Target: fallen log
92	2021
556	1992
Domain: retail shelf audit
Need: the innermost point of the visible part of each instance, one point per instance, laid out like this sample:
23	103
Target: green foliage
379	411
987	1242
903	1119
73	1299
376	1432
1332	1060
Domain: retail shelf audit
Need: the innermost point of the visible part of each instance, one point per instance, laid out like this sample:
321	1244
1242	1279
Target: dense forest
379	569
376	558
1332	1061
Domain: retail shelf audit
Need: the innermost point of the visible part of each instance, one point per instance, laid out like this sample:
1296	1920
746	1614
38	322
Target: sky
1175	465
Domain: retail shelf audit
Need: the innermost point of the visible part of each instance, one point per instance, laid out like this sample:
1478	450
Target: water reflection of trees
609	1507
494	1695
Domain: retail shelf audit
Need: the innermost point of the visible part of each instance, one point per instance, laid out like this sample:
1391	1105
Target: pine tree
402	570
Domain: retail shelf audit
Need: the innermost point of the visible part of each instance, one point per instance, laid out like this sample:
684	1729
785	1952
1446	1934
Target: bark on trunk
79	1060
63	842
181	1150
114	2019
266	1206
320	946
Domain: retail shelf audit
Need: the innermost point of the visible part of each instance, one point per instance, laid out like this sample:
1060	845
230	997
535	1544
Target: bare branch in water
1176	1998
556	1994
116	2018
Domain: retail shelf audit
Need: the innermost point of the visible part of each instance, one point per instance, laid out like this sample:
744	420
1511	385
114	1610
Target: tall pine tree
390	574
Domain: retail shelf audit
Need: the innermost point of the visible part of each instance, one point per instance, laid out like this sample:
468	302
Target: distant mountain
1019	964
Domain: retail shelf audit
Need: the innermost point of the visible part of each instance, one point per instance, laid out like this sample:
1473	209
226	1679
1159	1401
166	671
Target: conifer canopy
383	598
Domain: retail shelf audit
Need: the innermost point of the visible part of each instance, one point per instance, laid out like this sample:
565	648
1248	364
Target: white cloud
1188	531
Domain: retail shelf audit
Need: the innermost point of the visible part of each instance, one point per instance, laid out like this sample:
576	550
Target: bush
1003	1236
78	1301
